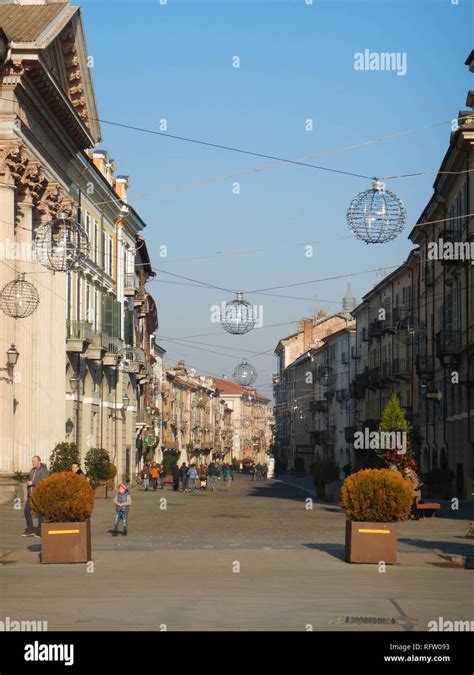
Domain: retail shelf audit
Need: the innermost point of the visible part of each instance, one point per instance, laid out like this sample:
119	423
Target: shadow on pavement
447	547
334	550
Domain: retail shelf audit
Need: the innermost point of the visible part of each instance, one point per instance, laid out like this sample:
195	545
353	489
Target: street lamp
125	401
74	381
12	358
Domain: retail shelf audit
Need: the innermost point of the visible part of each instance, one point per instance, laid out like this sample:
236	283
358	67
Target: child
122	503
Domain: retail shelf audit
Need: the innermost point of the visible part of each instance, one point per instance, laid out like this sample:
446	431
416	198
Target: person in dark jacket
184	476
213	473
76	468
176	477
38	473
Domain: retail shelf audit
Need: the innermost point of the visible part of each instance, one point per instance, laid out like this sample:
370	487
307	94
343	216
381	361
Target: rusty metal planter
371	542
66	542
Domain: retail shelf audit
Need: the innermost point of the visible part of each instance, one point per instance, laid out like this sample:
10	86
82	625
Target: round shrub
376	495
63	497
98	466
63	455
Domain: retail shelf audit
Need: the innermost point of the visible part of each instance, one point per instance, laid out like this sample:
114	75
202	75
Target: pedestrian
192	476
122	503
412	477
213	476
154	476
184	476
264	471
176	476
227	472
258	471
202	477
161	471
146	477
38	473
76	468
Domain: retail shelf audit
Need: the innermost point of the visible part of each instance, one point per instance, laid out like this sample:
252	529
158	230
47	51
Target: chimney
181	365
307	334
105	165
122	183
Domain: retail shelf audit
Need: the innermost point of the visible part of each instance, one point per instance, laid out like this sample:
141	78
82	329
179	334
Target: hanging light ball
246	423
61	244
245	374
376	215
326	376
238	316
19	299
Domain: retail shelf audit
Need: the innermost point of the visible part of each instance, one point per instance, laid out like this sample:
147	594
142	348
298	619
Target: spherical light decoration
238	316
19	299
326	376
408	334
376	215
246	423
61	244
245	374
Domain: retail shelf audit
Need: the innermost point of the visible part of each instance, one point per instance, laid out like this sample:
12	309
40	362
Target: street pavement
251	558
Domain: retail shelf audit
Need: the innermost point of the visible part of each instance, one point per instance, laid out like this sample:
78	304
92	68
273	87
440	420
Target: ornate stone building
70	382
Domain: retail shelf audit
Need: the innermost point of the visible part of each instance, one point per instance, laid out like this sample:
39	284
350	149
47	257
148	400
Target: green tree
393	418
63	455
98	466
169	462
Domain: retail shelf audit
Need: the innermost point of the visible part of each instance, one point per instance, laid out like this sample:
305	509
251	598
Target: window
96	241
88	232
88	302
111	257
103	249
96	310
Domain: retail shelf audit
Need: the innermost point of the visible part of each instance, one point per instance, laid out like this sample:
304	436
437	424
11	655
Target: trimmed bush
169	462
99	468
377	496
63	455
63	497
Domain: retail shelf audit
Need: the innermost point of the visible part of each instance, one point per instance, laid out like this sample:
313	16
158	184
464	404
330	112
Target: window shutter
108	315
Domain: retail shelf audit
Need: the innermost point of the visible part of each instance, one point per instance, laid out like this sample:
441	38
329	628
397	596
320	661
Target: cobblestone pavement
251	558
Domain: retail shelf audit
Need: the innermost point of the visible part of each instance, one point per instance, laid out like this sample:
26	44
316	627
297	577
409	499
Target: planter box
66	542
100	492
371	542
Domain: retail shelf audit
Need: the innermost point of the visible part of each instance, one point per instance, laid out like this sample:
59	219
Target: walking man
213	475
192	476
38	473
227	475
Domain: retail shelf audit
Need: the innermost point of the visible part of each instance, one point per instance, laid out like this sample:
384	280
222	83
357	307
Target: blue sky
174	62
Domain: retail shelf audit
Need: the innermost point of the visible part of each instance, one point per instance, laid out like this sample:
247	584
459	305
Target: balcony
362	379
402	317
78	335
448	343
387	371
356	391
131	284
323	437
401	369
143	419
376	328
95	350
375	378
318	406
